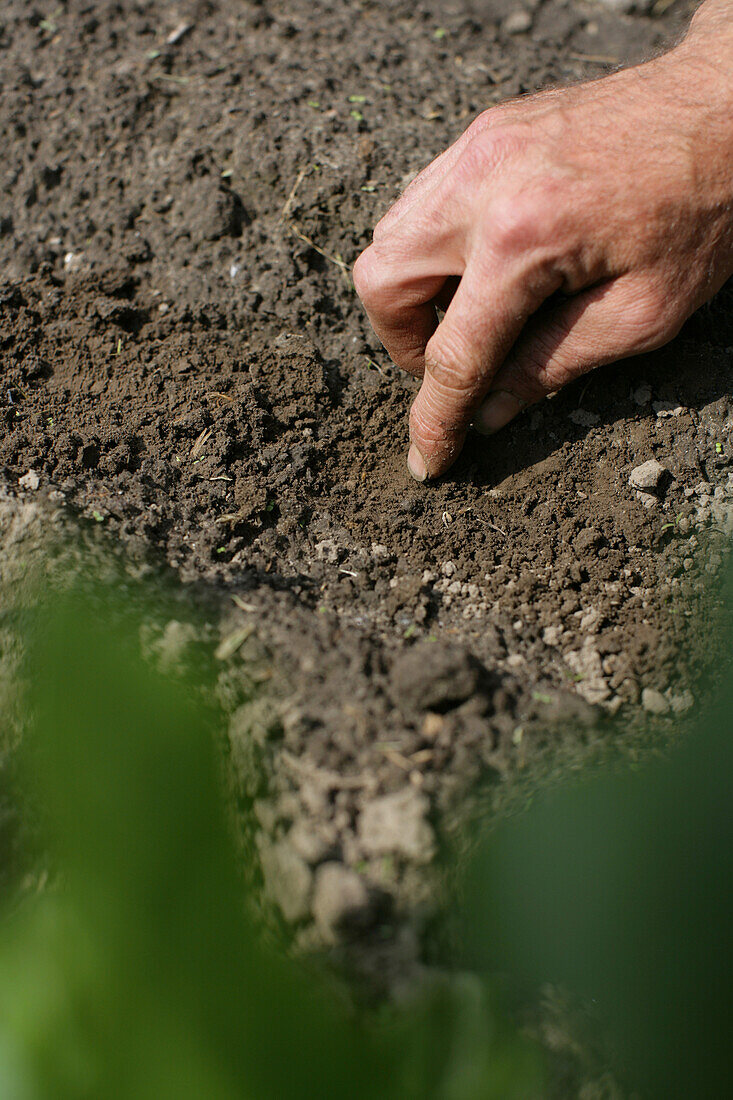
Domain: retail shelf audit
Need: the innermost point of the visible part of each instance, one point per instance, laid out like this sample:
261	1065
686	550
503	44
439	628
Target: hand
560	232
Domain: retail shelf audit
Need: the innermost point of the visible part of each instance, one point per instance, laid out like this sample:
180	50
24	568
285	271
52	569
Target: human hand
560	232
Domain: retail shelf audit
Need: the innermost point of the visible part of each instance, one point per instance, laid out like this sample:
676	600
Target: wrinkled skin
560	232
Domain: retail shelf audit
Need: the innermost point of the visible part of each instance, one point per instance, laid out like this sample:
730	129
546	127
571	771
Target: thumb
612	321
461	359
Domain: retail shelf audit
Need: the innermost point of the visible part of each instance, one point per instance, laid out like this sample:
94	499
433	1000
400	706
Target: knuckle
369	278
452	383
449	365
362	273
519	222
481	123
490	146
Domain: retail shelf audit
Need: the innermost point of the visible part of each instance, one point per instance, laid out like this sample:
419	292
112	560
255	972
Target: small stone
397	823
587	665
642	395
310	845
327	550
517	22
584	418
653	701
288	879
626	6
432	725
664	409
591	620
681	702
341	901
30	481
649	477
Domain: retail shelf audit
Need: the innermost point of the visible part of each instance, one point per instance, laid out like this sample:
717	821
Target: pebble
667	408
681	702
626	6
310	845
649	476
642	395
432	725
653	701
30	481
327	550
517	22
341	900
397	823
586	663
288	879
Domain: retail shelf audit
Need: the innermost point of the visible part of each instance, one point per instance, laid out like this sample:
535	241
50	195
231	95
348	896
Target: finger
401	282
609	322
483	321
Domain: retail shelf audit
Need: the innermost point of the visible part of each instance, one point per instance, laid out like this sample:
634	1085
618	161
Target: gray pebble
517	22
653	701
649	477
341	901
30	481
310	844
288	879
397	823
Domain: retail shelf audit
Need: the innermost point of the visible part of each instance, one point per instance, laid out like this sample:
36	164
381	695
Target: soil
186	367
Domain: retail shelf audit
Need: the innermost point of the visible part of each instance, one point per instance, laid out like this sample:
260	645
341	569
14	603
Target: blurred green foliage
620	888
135	973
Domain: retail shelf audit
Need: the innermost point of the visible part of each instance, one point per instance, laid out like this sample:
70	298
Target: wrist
707	52
701	68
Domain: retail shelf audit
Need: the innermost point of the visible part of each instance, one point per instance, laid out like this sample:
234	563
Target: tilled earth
185	366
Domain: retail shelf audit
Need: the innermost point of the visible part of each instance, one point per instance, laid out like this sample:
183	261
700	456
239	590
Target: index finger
487	314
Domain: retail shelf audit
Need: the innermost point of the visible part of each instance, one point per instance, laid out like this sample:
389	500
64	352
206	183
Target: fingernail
497	410
416	464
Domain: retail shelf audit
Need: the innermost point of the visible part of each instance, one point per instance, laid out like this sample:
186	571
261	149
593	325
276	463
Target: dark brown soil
184	362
